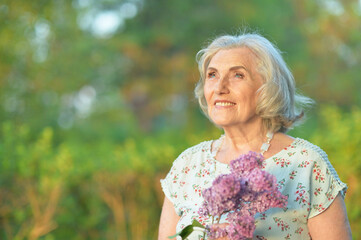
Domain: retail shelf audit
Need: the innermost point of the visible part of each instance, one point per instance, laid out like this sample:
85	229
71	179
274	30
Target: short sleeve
325	184
171	183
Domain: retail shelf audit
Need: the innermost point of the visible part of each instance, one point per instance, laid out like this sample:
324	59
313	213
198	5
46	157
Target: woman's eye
239	75
211	75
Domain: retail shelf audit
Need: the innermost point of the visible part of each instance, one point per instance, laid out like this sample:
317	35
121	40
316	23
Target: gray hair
279	106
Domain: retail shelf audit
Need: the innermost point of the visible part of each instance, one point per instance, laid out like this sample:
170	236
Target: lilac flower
242	228
268	200
222	196
227	185
235	216
245	163
259	180
247	190
215	231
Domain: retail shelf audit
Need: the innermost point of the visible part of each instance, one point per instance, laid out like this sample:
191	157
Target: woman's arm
168	220
332	223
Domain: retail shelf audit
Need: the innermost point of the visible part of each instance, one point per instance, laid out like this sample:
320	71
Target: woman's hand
222	225
223	238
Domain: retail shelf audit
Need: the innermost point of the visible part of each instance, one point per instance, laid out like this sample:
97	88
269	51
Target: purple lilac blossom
245	163
247	190
215	231
222	196
260	180
242	228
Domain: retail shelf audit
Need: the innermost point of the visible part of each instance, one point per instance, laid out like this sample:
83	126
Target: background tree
94	94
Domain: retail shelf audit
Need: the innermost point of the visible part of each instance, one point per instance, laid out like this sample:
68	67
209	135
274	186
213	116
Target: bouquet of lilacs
247	190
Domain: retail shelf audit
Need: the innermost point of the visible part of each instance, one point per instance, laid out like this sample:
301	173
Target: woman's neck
242	140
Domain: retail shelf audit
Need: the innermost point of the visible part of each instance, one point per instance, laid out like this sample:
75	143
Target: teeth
224	104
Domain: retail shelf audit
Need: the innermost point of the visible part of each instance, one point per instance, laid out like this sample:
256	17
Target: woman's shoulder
194	153
309	149
200	148
315	155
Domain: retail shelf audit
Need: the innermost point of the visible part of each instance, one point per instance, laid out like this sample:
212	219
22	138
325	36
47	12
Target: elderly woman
247	89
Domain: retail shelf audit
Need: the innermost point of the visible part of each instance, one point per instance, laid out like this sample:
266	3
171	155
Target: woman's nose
222	86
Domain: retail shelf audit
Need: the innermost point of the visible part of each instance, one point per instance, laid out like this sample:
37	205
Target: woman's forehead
228	58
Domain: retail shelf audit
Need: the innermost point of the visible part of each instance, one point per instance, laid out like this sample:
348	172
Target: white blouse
303	172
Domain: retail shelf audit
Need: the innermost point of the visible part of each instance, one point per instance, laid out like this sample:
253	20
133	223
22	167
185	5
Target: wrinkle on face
223	83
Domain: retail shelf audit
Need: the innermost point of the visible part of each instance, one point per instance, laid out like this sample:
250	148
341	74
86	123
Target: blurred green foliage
92	119
111	190
339	135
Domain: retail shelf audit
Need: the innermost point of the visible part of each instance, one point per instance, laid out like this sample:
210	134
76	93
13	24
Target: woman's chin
222	123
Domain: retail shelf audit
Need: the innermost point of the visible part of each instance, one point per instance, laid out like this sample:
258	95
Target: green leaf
184	233
195	223
187	230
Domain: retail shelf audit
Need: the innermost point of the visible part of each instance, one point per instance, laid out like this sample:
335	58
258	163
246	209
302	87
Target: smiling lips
224	103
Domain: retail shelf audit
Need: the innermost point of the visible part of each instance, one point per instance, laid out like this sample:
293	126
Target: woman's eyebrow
238	67
231	69
211	69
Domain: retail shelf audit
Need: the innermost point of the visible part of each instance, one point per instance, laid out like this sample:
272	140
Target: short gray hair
279	106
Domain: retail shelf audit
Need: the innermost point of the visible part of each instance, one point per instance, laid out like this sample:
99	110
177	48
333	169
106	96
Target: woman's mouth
224	104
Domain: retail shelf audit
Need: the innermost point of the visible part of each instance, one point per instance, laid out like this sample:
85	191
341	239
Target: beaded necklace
264	148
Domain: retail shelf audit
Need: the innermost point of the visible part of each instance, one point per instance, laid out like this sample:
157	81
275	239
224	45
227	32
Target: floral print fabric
303	173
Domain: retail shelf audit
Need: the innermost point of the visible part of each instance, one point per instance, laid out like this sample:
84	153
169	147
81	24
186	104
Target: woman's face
231	86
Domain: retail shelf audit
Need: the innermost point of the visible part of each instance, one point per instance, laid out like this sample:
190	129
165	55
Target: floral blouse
303	172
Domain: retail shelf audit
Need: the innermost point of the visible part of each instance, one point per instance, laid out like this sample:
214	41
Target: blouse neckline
212	154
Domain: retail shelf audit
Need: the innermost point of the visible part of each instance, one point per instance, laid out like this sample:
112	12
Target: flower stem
219	218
